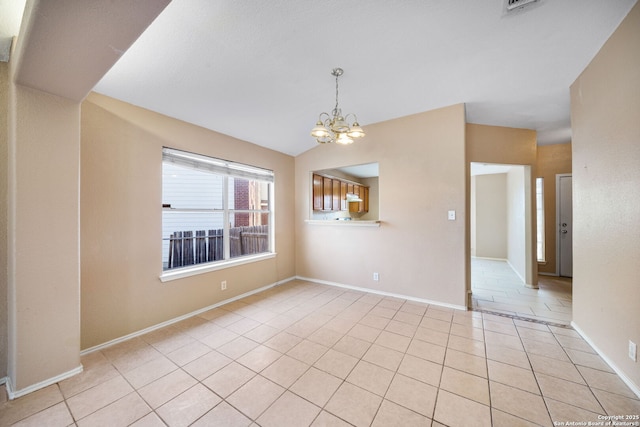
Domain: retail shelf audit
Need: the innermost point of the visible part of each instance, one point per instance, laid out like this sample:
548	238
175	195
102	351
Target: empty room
384	213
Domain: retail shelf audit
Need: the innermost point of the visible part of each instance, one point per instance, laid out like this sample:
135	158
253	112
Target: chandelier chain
336	111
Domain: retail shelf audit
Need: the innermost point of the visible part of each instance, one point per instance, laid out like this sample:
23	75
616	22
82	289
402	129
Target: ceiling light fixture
335	127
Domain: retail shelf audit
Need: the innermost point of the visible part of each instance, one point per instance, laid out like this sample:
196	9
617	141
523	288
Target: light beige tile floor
304	354
497	288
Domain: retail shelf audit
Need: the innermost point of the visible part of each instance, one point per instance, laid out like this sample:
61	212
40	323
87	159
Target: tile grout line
581	375
533	372
335	315
486	363
343	381
446	348
64	399
525	319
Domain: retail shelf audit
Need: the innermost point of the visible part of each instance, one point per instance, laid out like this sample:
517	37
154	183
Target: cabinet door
365	199
357	190
336	195
328	193
317	192
362	192
354	206
344	206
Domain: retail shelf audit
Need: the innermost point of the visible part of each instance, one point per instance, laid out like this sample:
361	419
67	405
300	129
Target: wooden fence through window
207	245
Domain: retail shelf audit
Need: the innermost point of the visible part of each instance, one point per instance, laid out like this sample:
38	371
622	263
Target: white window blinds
218	166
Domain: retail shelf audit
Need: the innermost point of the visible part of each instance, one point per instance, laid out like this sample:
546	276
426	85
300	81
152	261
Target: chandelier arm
328	117
355	119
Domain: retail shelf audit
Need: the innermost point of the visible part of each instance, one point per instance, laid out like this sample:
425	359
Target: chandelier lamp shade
335	127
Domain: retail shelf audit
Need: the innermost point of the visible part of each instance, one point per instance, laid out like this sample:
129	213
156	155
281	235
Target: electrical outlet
376	277
632	351
223	285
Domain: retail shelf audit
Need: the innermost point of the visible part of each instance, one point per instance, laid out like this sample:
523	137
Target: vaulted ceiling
260	70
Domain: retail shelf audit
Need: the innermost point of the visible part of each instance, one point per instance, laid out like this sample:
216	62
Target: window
540	247
213	211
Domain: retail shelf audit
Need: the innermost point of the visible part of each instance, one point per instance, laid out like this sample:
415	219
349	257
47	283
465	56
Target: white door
565	226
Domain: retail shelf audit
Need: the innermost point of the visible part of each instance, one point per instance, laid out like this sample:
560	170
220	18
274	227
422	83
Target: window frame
227	169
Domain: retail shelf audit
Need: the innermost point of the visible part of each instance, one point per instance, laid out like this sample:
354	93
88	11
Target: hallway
498	289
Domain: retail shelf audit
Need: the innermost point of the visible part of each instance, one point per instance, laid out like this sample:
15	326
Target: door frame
530	279
558	176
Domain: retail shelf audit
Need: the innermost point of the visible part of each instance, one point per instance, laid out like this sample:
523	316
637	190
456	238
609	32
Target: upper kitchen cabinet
345	193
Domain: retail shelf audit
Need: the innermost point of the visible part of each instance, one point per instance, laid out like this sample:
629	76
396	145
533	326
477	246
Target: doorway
564	215
501	216
501	241
495	284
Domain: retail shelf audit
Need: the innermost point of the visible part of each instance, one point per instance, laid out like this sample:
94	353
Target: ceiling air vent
515	4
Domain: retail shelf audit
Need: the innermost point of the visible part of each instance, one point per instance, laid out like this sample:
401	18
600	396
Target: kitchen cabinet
335	202
362	206
327	192
318	193
330	194
344	206
366	199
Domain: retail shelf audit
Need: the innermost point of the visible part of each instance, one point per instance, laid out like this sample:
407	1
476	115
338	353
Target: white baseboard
633	386
13	394
489	258
180	318
518	274
383	293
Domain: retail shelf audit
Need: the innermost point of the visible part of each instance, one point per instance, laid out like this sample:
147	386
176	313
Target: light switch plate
452	215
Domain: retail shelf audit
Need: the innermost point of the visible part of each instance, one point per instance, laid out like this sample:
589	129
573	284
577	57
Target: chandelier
335	127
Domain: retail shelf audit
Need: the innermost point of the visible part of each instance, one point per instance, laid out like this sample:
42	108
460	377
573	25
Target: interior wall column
43	239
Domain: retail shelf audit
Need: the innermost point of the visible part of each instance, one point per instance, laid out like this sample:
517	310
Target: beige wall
605	108
491	215
518	221
43	236
552	160
495	144
4	141
60	53
416	250
121	220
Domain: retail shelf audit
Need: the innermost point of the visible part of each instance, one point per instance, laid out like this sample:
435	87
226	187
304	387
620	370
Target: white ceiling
260	70
65	48
368	170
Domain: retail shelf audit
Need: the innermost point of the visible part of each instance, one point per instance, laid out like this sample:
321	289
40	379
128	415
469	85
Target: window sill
355	223
174	274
